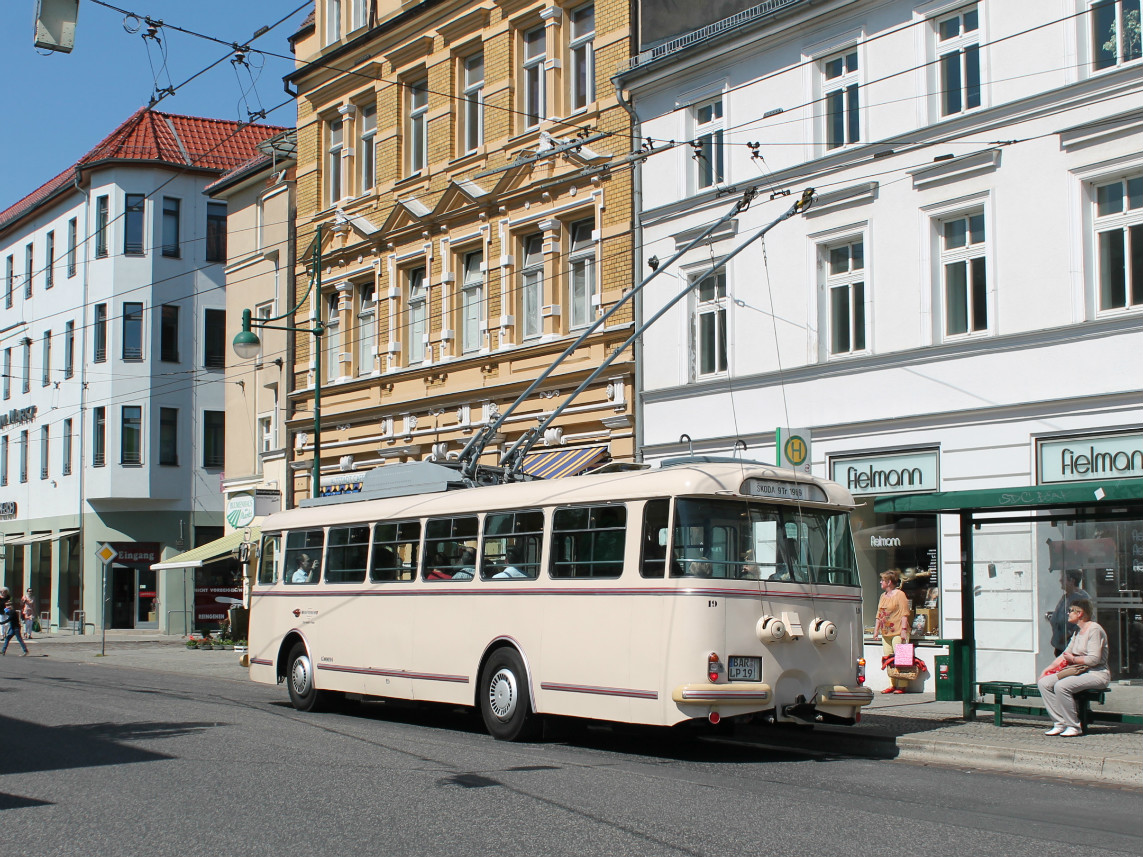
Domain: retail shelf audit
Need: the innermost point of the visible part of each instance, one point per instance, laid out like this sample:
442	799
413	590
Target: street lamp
247	345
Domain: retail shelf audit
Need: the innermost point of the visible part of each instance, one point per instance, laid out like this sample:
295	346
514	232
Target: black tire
505	705
304	695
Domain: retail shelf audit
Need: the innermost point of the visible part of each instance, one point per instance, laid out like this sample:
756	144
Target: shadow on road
32	747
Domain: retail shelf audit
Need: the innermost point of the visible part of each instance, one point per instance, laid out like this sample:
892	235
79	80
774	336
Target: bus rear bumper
832	704
730	693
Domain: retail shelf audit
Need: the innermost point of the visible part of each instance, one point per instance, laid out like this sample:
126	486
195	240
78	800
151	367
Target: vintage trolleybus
698	589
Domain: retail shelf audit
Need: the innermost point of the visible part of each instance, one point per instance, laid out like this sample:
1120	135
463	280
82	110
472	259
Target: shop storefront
906	543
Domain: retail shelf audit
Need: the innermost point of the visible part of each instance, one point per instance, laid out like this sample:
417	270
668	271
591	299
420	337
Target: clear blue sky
55	108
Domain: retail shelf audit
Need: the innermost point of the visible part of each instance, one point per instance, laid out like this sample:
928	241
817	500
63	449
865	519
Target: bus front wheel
504	703
304	695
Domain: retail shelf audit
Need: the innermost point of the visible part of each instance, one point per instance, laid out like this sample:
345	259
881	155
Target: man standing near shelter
1062	629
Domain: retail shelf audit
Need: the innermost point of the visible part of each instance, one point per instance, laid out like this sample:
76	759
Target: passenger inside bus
305	572
467	565
511	569
699	568
439	568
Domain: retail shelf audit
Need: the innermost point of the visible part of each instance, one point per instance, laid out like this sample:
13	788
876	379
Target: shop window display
907	544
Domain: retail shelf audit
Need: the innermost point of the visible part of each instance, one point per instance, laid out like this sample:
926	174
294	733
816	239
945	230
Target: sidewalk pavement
913	727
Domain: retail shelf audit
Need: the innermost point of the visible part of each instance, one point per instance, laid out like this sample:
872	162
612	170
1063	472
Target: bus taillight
861	670
713	667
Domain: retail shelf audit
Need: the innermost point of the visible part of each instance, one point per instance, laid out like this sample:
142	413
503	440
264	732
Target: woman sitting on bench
1082	666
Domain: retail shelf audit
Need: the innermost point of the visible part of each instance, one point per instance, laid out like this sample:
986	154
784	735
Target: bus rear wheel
504	703
304	695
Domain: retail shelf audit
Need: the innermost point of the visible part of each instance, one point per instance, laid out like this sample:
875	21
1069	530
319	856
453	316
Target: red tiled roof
213	145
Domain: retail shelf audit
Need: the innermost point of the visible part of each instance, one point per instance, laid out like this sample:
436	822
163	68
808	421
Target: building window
27	377
69	349
99	437
169	436
214	339
133	225
72	245
46	369
99	333
368	148
535	79
845	283
102	216
50	261
418	314
7	373
45	450
29	268
335	135
472	301
1115	35
216	232
170	227
24	456
472	117
710	325
267	440
67	440
958	38
169	333
581	273
1119	236
582	54
532	286
131	435
708	146
333	337
842	107
418	139
132	331
964	273
9	281
332	21
360	14
213	438
366	328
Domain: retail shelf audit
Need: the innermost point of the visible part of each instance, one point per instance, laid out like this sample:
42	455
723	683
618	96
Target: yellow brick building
464	242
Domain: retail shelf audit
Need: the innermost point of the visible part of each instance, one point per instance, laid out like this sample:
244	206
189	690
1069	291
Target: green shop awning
1019	498
219	549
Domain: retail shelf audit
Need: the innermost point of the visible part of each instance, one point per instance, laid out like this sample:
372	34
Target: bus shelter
1014	548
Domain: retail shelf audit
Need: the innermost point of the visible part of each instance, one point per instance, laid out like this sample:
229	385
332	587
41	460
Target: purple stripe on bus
483	590
600	691
460	679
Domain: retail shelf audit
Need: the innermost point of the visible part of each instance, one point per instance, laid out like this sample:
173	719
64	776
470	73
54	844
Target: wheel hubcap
502	696
300	676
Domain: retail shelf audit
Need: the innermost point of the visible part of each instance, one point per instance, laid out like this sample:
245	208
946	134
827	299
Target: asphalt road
107	761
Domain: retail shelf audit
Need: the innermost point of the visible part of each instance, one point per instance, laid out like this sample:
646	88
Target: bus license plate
743	669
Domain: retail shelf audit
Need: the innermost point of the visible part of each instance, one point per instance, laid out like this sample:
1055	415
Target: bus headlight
823	631
771	629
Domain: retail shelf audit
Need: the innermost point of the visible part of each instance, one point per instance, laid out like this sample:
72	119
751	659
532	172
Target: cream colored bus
700	589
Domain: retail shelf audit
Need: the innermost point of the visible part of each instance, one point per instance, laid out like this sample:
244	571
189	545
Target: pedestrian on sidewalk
1062	627
892	624
28	611
1082	666
13	628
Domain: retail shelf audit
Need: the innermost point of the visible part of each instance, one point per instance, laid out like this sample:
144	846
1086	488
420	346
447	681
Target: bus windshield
739	539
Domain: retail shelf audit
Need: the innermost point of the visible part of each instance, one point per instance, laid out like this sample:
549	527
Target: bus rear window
588	541
733	539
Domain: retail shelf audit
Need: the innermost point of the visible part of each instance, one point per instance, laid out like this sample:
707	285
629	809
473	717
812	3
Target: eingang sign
1083	459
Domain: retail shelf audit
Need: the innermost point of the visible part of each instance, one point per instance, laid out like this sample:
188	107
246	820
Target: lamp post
247	345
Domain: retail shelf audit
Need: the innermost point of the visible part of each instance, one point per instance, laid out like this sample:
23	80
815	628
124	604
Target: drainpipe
636	262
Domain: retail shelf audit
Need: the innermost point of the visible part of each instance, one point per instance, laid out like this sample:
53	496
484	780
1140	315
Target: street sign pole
106	555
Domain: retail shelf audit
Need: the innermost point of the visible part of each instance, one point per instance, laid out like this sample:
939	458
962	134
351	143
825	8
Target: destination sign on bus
779	490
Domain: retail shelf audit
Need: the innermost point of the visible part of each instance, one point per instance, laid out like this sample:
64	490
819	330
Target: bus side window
512	543
396	548
655	528
268	560
347	554
304	554
588	541
450	548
